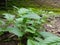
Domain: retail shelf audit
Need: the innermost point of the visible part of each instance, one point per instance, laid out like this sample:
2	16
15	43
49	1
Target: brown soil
8	43
5	39
54	26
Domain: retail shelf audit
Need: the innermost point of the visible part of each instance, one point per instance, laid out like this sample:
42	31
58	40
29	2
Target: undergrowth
27	25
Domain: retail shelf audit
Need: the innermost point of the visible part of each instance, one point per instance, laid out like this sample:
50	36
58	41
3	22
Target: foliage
25	23
49	40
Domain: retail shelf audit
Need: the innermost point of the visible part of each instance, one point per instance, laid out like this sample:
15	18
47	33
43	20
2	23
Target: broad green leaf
32	28
39	39
19	20
15	31
47	34
52	39
9	17
29	30
31	42
56	43
23	11
31	16
30	22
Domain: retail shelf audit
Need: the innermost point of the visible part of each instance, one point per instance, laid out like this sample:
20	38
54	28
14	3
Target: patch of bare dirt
54	26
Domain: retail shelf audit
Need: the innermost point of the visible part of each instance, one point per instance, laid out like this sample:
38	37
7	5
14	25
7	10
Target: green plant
26	25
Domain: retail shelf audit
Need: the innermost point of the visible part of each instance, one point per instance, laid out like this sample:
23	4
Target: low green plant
26	24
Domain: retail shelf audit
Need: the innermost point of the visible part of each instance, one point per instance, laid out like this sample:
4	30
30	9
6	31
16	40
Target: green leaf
15	31
1	33
31	16
23	11
2	22
39	39
19	20
9	17
2	30
31	42
52	39
47	34
31	29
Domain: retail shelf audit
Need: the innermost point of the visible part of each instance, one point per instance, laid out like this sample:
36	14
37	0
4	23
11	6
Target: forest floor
53	27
